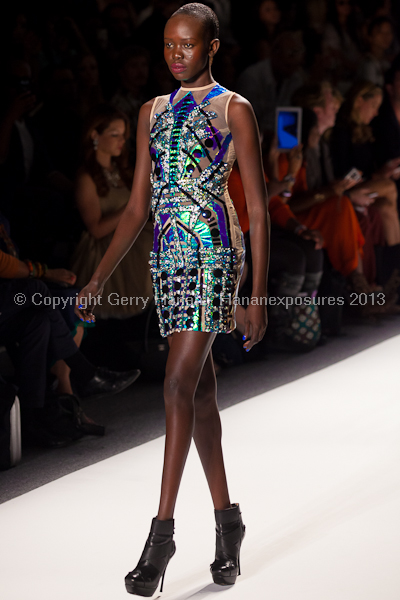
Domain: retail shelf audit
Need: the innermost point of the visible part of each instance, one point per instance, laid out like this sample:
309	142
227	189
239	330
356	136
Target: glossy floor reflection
314	465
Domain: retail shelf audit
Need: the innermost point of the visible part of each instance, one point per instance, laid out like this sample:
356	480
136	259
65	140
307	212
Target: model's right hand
86	301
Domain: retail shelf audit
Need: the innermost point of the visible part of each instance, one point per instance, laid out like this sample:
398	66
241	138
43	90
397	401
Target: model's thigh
187	355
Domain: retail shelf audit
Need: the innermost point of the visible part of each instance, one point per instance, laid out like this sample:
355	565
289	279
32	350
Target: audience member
89	90
102	193
272	81
311	20
386	126
62	40
296	256
58	118
341	43
352	145
319	201
119	23
133	70
268	18
375	64
42	334
33	194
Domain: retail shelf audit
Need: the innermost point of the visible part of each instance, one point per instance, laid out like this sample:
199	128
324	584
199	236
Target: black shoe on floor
107	383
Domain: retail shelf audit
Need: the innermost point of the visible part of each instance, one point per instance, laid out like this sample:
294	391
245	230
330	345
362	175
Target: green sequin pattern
198	250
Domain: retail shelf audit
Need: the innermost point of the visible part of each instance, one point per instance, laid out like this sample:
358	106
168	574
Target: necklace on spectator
113	177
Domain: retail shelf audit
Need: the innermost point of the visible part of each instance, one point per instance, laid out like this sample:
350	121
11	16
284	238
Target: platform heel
158	550
230	532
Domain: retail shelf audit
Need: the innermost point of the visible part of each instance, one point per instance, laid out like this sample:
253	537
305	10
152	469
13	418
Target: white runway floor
315	465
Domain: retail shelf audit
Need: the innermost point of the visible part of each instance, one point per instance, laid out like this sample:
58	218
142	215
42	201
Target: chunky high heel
159	549
230	533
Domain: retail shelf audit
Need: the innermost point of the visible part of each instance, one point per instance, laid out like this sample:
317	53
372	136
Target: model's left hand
256	321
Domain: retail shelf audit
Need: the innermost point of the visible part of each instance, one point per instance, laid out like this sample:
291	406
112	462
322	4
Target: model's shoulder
238	104
146	108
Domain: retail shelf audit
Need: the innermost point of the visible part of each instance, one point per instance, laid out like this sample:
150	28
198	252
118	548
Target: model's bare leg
207	435
187	355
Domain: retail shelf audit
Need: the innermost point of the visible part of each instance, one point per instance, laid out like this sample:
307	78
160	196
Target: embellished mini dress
198	248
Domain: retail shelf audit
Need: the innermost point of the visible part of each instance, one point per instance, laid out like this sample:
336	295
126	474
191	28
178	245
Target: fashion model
196	264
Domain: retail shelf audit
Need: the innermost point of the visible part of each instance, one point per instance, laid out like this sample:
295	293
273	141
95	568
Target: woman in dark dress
352	145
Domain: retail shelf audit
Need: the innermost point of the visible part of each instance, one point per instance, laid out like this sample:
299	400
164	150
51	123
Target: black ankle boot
159	548
230	533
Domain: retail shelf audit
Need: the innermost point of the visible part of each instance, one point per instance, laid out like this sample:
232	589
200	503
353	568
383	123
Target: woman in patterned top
196	263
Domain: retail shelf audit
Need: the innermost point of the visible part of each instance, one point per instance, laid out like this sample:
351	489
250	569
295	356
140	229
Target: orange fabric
337	221
279	211
236	192
9	265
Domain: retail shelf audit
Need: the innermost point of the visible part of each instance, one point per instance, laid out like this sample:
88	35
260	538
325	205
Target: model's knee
178	389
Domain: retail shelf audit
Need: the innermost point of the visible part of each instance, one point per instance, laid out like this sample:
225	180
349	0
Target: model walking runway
316	462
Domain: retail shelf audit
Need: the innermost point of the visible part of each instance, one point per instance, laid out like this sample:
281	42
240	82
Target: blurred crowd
74	76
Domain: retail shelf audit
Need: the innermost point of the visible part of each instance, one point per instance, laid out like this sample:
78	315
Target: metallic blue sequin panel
195	265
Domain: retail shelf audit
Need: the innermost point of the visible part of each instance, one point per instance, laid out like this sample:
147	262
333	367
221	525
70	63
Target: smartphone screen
288	127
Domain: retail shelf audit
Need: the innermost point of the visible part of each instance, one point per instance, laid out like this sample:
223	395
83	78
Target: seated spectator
386	126
272	81
296	257
133	70
33	195
41	333
89	89
102	193
58	118
311	20
352	145
318	202
62	40
379	39
341	46
267	23
389	9
118	19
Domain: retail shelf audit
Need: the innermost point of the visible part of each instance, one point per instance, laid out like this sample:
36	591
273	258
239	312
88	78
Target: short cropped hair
203	13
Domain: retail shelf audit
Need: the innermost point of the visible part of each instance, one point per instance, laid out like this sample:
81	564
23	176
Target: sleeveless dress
131	279
198	249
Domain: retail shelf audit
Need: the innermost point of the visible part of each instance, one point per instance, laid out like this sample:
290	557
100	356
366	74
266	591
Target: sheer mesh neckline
194	89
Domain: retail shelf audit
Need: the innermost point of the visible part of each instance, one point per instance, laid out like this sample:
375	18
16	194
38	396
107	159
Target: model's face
369	108
382	36
112	140
185	50
269	13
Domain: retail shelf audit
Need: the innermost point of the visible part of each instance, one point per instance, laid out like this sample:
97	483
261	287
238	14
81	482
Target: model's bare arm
246	139
132	219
